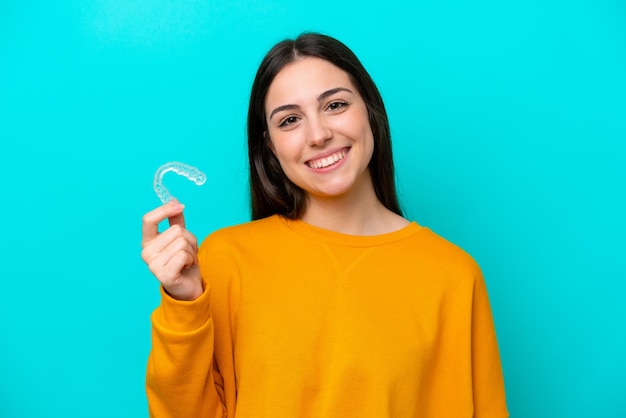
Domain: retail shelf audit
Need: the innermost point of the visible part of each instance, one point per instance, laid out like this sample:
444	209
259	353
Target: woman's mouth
328	160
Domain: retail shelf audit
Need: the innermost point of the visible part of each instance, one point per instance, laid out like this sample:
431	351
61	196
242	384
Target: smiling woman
330	303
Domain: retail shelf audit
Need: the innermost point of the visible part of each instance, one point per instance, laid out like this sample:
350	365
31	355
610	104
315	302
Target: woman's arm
180	379
489	393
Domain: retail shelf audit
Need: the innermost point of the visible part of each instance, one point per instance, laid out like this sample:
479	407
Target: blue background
508	121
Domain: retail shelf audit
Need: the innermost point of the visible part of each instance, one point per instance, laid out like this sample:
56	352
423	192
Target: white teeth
327	161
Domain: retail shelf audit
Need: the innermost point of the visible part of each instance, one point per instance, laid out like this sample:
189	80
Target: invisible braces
185	170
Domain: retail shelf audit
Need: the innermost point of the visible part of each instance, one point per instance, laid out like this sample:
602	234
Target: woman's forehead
307	78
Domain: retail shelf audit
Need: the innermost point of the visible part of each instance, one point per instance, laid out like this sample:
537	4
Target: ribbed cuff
183	316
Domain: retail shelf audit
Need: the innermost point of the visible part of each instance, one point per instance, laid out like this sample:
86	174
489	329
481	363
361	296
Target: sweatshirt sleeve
488	380
181	380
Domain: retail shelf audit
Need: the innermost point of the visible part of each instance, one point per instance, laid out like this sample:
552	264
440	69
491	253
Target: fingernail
176	204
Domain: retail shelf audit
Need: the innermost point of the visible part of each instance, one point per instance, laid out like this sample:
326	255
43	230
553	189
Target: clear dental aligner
185	170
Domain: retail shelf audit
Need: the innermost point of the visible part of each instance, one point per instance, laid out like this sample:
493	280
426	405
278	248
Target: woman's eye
337	105
289	120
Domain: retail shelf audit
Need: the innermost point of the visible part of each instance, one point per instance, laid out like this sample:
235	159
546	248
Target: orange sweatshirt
297	321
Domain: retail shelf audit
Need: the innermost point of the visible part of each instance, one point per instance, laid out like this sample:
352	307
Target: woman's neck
356	213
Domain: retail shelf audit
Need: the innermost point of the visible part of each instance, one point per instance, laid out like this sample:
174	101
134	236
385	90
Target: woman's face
319	128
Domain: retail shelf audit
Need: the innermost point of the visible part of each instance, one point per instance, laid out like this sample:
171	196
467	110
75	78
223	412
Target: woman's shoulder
227	246
440	250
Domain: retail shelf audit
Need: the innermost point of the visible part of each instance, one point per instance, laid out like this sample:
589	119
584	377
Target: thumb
179	218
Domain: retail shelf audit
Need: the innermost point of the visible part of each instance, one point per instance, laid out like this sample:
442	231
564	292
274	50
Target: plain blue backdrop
508	122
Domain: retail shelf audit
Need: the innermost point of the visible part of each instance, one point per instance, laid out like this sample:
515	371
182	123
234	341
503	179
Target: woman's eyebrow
330	92
283	107
321	97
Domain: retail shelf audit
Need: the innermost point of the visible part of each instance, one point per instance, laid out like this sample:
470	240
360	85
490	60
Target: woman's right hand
172	256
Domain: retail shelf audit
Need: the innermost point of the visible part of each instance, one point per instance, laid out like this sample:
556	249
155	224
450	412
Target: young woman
330	303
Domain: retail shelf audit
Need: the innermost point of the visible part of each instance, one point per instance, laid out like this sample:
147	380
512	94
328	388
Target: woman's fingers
169	265
178	219
179	245
165	239
151	220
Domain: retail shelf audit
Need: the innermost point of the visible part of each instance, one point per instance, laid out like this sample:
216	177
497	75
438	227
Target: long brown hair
270	189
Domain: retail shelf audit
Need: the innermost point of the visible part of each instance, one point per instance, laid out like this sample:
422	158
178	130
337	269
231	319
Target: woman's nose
319	132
